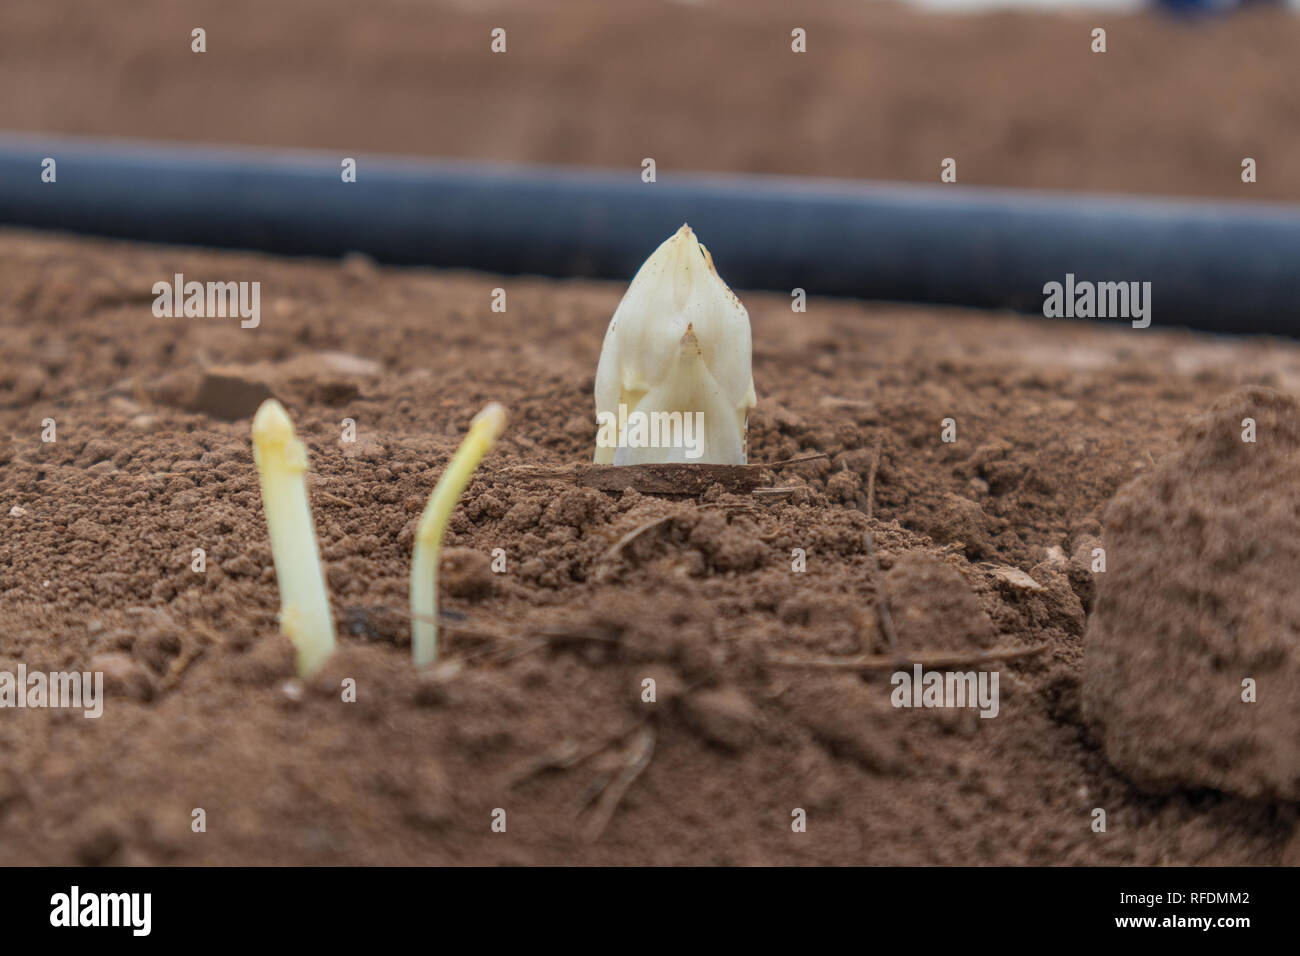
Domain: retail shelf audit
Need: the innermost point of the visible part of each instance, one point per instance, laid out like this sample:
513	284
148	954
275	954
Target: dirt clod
933	608
123	677
467	573
722	716
1198	610
229	394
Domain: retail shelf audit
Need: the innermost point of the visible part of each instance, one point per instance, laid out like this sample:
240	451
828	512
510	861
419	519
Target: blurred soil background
885	91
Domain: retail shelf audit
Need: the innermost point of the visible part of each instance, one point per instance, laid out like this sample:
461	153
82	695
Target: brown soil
980	546
545	663
1206	549
883	91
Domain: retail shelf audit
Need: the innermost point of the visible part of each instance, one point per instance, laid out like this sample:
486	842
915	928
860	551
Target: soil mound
1199	606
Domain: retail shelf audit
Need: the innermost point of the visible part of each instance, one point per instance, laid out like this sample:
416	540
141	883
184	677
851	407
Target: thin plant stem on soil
483	432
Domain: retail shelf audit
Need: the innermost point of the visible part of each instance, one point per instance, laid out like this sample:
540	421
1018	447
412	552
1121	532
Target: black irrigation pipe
1219	266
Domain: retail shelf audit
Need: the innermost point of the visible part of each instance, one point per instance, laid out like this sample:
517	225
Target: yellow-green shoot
281	459
483	432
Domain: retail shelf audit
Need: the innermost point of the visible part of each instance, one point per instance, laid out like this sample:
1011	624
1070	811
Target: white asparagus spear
281	459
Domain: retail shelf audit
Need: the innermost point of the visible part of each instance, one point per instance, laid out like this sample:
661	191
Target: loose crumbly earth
982	543
538	709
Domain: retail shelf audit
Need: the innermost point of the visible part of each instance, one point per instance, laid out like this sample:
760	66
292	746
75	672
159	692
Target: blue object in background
1209	7
1214	265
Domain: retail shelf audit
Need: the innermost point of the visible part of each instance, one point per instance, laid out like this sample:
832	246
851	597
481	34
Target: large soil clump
1200	603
